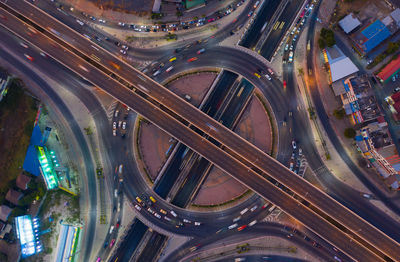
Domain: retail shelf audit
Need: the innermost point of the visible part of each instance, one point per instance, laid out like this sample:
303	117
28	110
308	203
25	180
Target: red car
29	57
242	227
211	20
192	59
117	225
284	84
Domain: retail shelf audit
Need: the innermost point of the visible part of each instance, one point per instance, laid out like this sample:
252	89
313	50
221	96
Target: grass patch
270	121
17	115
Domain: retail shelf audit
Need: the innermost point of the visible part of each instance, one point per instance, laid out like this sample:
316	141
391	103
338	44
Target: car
253	208
79	22
294	144
257	75
163	211
197	223
124	125
268	77
111	229
116	113
252	223
367	196
290	236
186	221
138	200
98	259
105	244
394	79
337	258
156	73
286	47
157	215
173	213
114	132
43	54
233	226
250	13
291	166
28	57
242	227
123	51
192	59
270	71
112	242
152	199
236	218
102	21
117	225
284	83
167	218
125	47
172	59
121	24
300	151
169	69
119	124
151	211
201	51
244	211
256	4
264	206
291	47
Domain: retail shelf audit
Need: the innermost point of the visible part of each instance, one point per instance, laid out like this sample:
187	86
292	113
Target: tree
392	48
349	132
339	113
326	38
179	14
321	43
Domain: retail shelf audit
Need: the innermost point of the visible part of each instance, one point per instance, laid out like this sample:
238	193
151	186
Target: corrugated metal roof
349	23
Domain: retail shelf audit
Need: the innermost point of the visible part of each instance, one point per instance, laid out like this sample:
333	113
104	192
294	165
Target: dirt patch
154	144
364	10
196	85
17	115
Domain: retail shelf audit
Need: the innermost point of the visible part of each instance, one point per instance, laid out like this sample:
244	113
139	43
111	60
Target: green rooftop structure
189	4
47	163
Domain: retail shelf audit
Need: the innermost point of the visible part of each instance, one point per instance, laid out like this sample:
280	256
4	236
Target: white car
286	47
138	207
252	223
114	125
116	113
268	77
167	218
123	51
150	210
253	208
23	45
79	22
294	144
124	125
173	213
157	215
197	223
114	132
186	221
169	69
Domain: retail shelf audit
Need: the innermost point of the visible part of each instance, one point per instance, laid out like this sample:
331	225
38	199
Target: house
23	181
13	196
5	212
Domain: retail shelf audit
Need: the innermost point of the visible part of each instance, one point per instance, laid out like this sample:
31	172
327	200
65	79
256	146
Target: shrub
349	132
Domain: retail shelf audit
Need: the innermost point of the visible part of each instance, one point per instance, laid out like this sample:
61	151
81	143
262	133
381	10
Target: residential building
389	70
23	181
5	212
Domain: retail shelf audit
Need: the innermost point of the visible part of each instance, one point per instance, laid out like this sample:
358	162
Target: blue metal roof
31	162
376	33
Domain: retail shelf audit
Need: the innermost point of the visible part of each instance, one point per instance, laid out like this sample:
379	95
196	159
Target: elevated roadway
246	153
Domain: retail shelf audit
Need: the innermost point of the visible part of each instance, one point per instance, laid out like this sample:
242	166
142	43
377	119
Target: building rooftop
340	65
396	16
23	181
13	196
389	70
5	212
349	23
371	36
